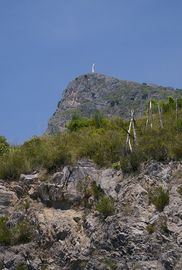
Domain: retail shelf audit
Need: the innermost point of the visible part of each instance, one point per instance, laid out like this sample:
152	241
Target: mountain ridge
111	96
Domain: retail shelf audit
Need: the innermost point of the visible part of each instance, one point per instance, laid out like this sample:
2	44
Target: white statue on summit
93	68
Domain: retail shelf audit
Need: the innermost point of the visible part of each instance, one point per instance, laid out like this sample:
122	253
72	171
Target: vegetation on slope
101	139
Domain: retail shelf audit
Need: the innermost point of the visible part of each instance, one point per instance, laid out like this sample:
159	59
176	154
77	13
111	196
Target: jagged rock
54	195
71	235
18	190
67	187
109	181
7	199
29	179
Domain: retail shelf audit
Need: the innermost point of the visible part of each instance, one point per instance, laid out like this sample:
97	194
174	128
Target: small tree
4	146
159	197
105	206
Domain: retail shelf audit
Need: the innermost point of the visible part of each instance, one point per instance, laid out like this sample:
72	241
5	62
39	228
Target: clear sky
46	43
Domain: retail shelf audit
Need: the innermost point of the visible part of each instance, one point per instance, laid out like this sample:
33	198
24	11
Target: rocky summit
70	232
113	97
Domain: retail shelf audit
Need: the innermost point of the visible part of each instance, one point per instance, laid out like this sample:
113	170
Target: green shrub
152	146
159	198
109	262
4	146
105	206
131	162
150	228
13	164
78	122
5	233
21	266
177	150
97	191
179	190
179	125
20	234
99	120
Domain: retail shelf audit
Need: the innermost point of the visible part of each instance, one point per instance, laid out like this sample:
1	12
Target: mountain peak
113	97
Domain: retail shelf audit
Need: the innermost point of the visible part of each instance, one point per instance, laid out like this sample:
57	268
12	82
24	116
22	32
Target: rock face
7	199
111	96
70	234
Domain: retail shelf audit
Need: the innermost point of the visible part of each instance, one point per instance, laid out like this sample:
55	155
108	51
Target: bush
150	228
105	206
159	198
177	150
98	120
78	122
5	233
21	266
13	164
97	191
179	190
4	146
131	162
20	234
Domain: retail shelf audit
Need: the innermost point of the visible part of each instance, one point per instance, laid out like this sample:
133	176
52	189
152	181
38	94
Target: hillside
111	96
83	199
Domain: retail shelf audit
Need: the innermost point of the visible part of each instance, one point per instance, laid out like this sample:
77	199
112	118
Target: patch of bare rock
70	233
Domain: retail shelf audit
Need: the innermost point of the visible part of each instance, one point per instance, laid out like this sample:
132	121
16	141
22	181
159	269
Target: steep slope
68	232
111	96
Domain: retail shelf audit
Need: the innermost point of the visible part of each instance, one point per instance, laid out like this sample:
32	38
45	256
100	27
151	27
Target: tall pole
150	112
128	141
133	126
160	115
176	109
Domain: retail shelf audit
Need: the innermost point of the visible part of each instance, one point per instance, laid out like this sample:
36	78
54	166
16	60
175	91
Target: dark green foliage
4	146
5	233
170	104
21	266
179	125
99	120
13	163
20	234
180	190
97	192
130	162
109	262
150	228
105	206
159	197
78	122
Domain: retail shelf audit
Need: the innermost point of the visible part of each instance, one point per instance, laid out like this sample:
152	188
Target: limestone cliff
69	233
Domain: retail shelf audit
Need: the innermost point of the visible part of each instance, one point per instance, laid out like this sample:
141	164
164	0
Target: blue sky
46	43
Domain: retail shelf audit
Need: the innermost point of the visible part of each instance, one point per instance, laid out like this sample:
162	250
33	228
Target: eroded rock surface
70	234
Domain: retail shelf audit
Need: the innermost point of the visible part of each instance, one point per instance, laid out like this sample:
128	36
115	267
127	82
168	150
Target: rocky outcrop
111	96
7	199
69	233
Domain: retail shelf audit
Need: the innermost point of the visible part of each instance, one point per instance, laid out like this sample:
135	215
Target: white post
150	109
133	126
128	137
160	115
176	110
